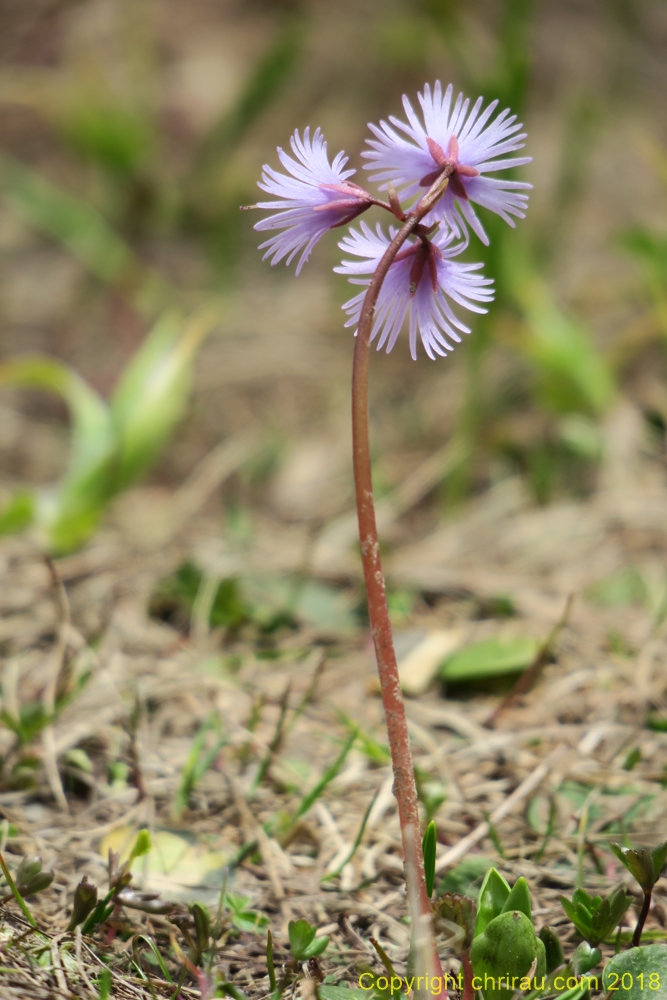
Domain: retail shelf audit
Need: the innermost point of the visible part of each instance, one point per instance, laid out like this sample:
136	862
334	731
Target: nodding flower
315	197
419	284
413	156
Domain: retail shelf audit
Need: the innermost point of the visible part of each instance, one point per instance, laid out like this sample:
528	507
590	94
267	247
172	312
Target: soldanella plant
435	167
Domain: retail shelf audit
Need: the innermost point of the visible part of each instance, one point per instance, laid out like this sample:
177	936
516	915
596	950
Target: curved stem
405	788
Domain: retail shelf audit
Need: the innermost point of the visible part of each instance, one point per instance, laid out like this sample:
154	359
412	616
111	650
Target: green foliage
492	897
118	137
267	603
466	877
85	901
302	941
508	946
152	394
585	958
69	220
111	445
199	760
490	658
505	942
645	865
637	973
29	723
29	879
519	899
16	893
553	949
428	848
243	917
572	375
620	589
594	917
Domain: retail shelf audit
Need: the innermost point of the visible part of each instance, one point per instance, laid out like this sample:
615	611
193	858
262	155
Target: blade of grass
276	740
269	961
304	805
551	826
16	894
197	765
158	957
355	845
493	835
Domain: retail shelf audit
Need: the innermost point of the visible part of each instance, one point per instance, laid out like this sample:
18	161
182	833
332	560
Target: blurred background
132	131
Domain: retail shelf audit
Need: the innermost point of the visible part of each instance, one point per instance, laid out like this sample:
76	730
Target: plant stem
468	991
643	914
405	789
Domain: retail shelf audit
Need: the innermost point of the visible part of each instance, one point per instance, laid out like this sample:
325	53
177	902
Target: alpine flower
420	282
452	136
317	196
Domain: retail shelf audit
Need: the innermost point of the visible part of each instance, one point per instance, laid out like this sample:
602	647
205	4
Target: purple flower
419	282
452	136
316	197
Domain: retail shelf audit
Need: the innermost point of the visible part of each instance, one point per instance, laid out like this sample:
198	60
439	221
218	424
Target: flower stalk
405	788
450	154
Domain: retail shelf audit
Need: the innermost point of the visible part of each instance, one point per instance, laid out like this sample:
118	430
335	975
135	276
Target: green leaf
317	946
68	513
579	915
269	961
142	845
428	849
202	920
584	958
553	949
490	658
327	992
608	914
301	937
659	858
638	863
152	394
629	973
85	901
519	898
507	948
492	896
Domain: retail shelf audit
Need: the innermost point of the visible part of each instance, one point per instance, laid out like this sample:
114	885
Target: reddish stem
405	789
468	991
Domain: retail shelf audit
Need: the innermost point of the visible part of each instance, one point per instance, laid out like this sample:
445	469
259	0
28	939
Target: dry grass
566	741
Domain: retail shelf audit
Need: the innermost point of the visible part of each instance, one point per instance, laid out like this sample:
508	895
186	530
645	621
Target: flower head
420	282
469	142
315	197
